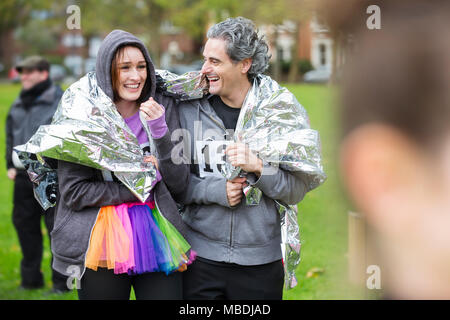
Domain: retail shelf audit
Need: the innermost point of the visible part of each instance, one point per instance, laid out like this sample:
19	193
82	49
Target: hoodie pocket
71	238
212	222
256	225
61	218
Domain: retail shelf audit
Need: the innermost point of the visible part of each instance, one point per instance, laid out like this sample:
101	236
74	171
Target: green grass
322	214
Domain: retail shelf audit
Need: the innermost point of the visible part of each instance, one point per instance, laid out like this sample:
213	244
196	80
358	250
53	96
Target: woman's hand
151	109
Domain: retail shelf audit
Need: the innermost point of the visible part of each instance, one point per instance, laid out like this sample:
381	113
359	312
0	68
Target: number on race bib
211	156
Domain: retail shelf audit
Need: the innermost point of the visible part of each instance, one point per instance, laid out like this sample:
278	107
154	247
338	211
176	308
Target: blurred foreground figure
396	149
35	105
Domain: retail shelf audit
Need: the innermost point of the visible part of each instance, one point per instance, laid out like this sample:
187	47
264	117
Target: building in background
316	37
314	45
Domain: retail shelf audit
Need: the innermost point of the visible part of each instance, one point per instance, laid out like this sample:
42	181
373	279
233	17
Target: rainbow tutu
135	238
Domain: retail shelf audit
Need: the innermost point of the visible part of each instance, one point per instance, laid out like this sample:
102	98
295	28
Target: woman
124	243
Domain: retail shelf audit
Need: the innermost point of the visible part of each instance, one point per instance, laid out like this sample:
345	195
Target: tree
194	17
301	16
14	13
275	13
143	18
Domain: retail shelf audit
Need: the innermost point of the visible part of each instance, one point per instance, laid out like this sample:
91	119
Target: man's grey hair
242	42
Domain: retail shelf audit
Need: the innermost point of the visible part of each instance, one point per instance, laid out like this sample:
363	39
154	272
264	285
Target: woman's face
132	70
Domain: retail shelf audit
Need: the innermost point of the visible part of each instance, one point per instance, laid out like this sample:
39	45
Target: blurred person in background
395	154
35	106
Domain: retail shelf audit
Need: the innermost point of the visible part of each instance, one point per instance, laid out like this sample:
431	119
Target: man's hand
152	109
153	160
12	172
241	156
234	190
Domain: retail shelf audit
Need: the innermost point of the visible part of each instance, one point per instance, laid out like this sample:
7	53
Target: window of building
322	54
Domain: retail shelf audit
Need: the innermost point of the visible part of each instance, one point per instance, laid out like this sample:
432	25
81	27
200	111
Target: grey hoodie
83	190
245	235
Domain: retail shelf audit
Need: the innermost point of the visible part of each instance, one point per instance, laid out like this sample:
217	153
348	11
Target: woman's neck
126	108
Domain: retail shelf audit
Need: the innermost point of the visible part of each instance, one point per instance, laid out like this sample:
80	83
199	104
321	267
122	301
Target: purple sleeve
158	127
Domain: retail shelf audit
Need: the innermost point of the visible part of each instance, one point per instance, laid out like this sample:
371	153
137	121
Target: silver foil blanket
87	129
188	86
275	125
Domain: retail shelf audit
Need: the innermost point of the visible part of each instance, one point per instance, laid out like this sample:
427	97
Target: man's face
223	74
30	78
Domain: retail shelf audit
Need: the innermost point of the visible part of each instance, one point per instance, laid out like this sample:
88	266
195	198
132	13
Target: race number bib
211	157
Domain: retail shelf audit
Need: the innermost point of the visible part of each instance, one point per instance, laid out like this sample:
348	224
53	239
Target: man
35	106
396	148
238	246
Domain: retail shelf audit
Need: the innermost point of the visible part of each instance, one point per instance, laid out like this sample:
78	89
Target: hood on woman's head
112	42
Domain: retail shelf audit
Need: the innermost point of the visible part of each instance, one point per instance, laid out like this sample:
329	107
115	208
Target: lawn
322	214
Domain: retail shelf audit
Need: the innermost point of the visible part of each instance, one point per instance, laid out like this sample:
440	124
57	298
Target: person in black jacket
35	106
